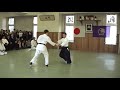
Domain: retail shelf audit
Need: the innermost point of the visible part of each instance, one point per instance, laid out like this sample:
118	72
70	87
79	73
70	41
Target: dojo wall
56	27
87	43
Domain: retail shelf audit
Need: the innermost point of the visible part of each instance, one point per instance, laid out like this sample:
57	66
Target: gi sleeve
59	41
38	40
50	42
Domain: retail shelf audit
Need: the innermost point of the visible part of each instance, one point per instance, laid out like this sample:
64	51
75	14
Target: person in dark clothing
17	44
8	47
12	39
65	52
29	35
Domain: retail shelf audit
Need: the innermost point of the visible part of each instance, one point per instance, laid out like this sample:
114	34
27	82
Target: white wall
24	23
99	16
52	26
4	23
1	22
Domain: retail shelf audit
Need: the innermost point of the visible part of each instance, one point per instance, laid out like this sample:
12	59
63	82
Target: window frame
9	21
69	24
109	24
9	25
35	24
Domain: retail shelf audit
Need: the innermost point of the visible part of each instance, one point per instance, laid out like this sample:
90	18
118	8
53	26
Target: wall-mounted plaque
47	17
88	27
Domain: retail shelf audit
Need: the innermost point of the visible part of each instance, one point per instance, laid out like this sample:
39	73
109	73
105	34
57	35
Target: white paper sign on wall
70	19
47	17
111	19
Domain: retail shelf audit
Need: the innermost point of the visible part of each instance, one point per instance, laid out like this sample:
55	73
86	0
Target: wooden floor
84	65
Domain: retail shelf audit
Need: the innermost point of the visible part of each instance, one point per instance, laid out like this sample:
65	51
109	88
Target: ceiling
11	14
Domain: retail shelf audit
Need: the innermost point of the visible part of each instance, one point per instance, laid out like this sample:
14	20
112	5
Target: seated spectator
17	44
28	44
2	47
20	34
5	42
16	39
33	43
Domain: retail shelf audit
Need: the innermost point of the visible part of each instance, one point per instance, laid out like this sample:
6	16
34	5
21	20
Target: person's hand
57	44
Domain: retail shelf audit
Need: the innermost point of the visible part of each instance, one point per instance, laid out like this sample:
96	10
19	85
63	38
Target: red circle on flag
76	31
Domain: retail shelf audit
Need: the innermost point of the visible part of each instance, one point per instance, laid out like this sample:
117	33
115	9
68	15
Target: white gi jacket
33	43
44	39
5	41
64	42
2	47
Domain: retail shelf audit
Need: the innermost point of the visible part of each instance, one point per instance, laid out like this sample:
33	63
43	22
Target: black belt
64	47
41	43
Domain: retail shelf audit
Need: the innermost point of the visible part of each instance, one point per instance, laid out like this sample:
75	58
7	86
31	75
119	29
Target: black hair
3	36
0	37
64	33
46	31
33	37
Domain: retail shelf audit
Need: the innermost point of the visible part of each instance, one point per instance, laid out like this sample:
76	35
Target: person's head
8	36
64	35
3	37
46	32
33	38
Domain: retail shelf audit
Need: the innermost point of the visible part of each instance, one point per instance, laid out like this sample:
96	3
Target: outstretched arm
51	42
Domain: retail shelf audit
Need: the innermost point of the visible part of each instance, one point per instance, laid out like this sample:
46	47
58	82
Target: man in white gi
41	48
65	52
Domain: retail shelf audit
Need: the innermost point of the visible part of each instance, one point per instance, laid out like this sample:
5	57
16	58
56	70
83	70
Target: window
111	20
69	28
35	27
11	21
11	24
35	20
11	28
35	31
112	37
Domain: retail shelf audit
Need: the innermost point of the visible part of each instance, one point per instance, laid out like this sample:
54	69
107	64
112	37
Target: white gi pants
33	48
41	49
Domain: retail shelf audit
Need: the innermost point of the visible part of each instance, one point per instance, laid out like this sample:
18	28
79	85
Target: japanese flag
81	32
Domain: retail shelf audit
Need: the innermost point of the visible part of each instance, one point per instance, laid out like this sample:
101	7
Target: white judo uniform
64	42
5	41
33	44
41	48
2	48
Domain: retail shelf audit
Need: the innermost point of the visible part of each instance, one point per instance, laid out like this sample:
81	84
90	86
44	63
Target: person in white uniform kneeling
2	47
33	43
